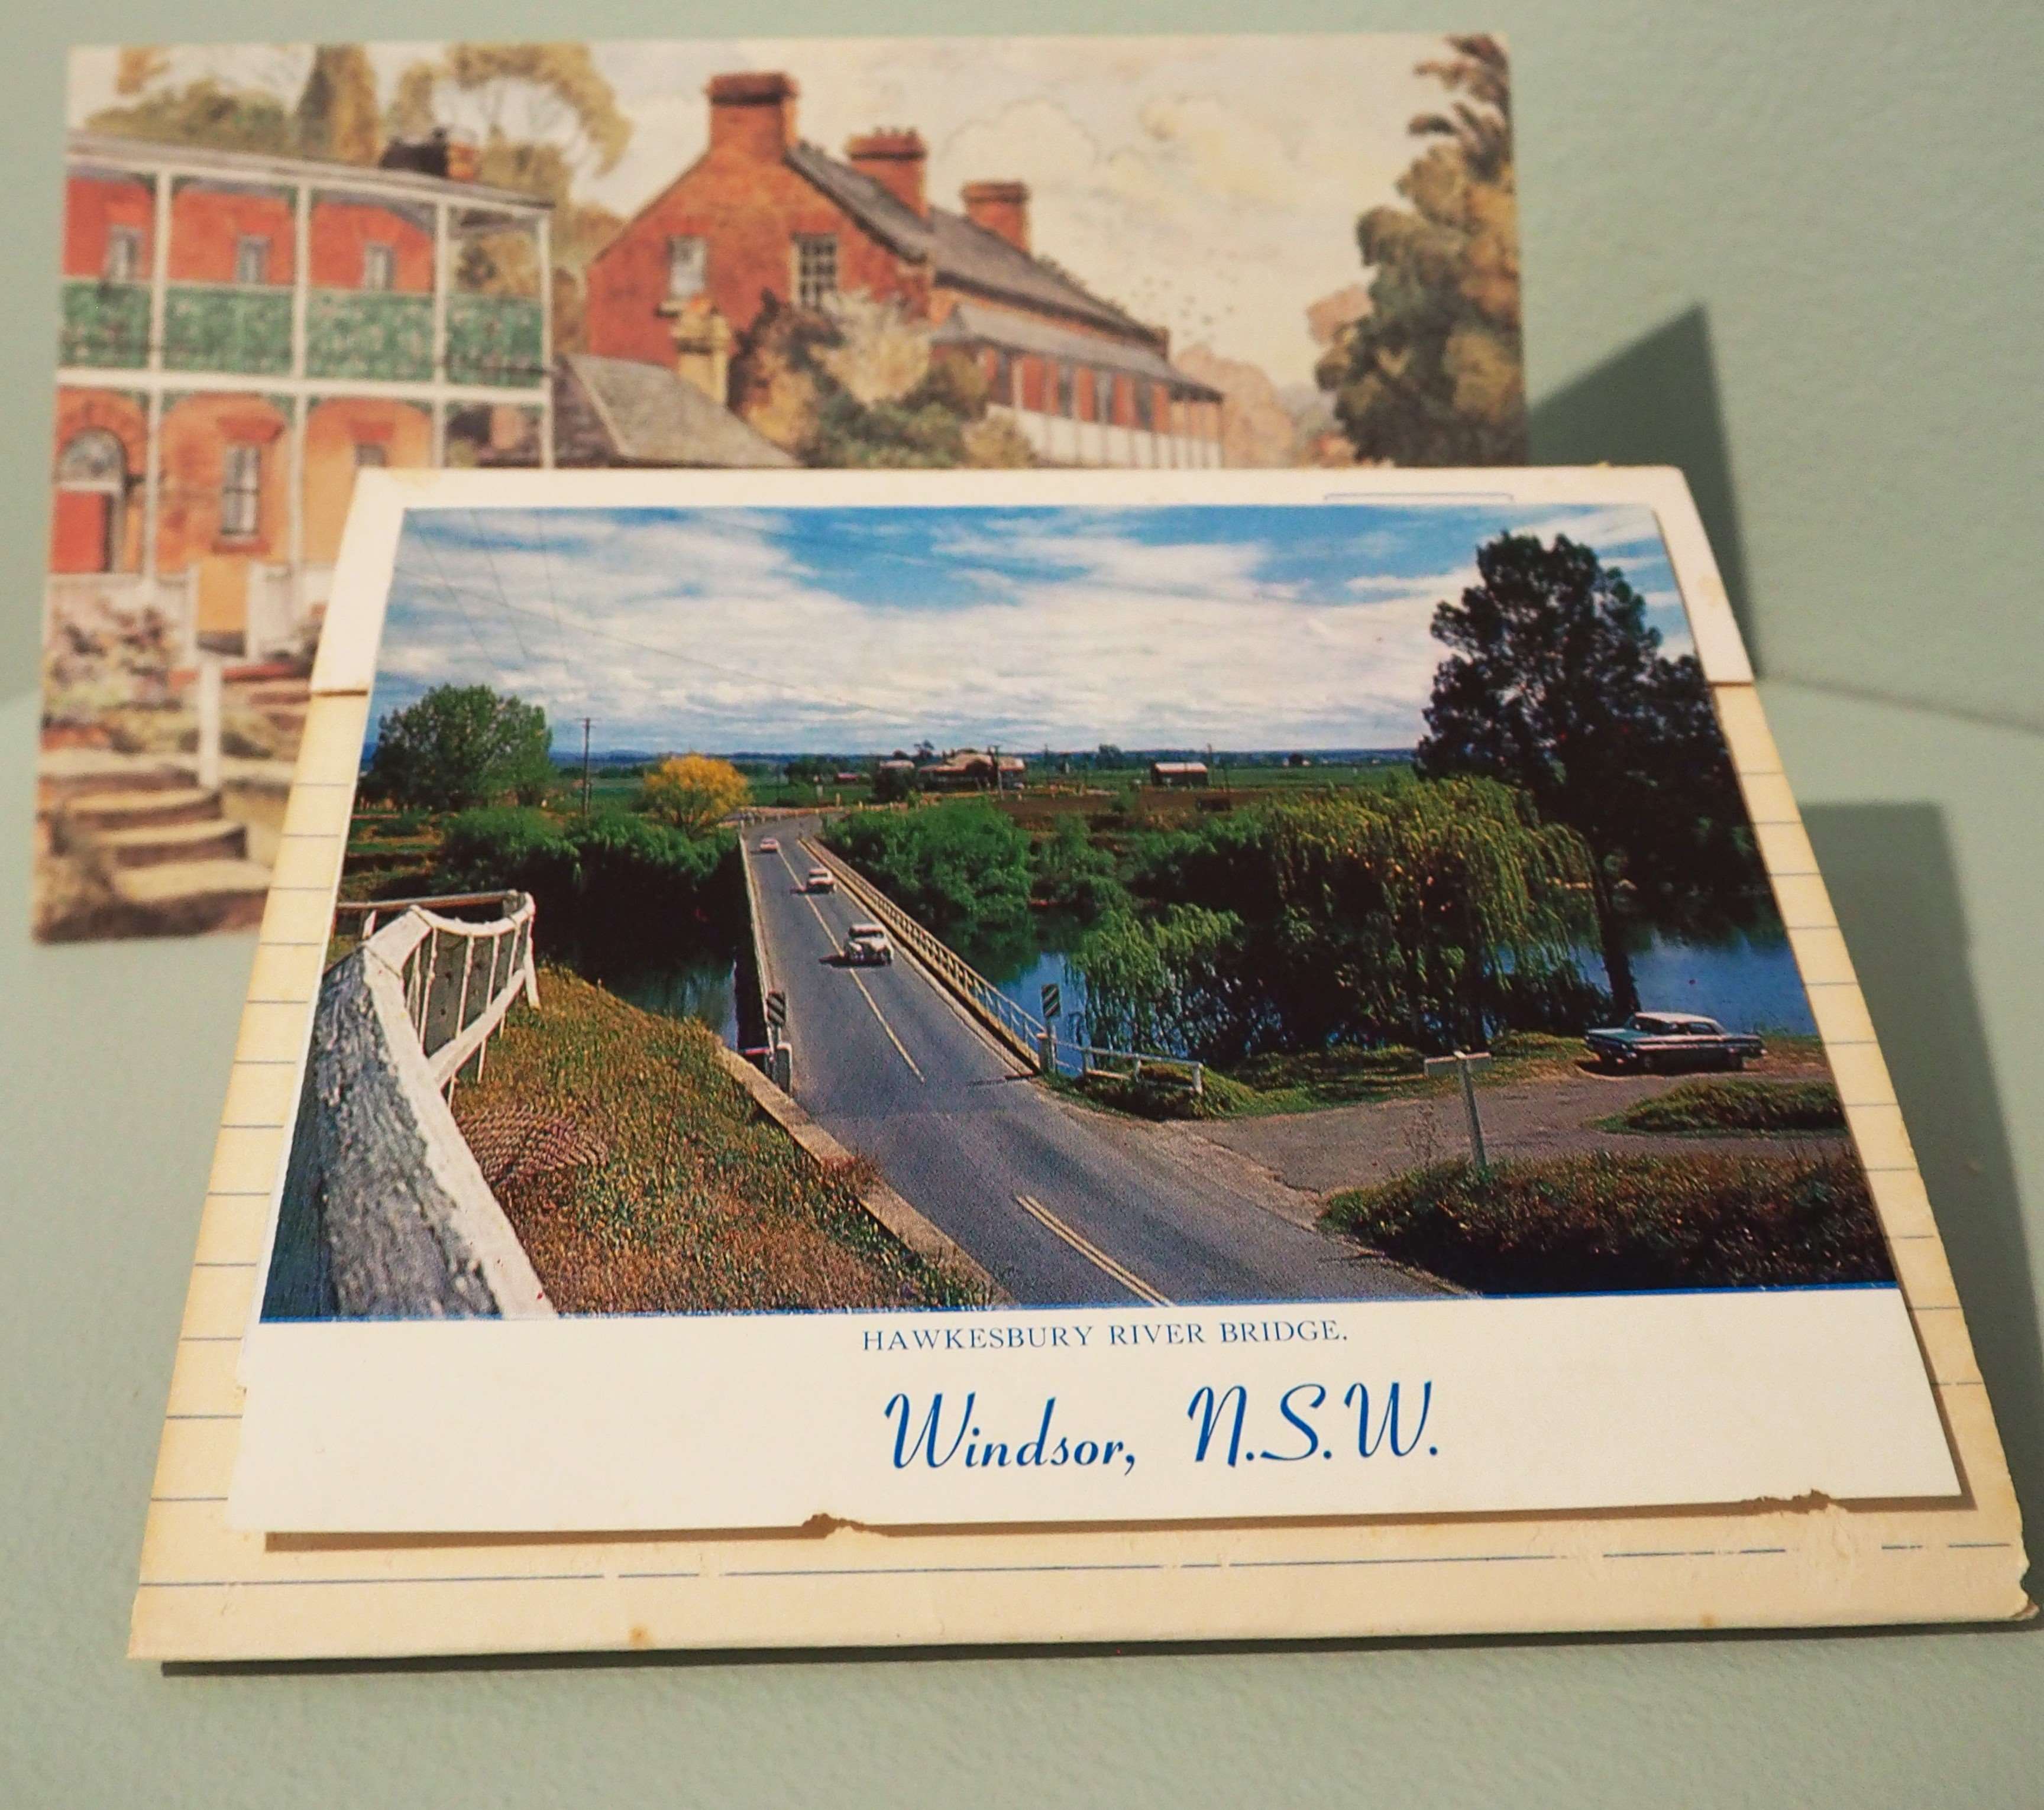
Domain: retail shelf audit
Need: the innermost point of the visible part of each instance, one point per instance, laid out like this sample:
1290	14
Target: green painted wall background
1795	249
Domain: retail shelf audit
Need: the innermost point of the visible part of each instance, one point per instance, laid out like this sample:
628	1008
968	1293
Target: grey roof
653	417
117	151
970	325
957	250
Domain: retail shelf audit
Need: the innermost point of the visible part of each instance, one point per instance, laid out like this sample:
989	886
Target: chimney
753	112
895	160
1001	208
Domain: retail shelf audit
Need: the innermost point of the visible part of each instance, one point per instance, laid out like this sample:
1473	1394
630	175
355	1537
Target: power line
489	559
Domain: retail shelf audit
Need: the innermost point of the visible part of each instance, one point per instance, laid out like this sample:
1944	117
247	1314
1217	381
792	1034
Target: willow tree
1416	915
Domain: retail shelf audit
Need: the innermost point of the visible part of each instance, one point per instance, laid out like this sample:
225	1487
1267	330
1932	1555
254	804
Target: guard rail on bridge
1020	1030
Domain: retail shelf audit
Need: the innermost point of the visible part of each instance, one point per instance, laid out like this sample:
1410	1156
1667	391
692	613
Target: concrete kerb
892	1213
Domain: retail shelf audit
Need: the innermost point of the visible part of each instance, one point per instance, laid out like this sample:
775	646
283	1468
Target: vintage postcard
284	265
1172	998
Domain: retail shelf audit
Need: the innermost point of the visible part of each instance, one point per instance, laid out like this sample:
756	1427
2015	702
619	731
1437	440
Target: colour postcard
283	265
1074	999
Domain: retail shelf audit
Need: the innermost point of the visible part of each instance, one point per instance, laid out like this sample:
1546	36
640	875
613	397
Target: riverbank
640	1179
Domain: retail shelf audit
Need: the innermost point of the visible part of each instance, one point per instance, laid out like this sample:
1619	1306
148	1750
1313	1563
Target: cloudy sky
1210	185
849	631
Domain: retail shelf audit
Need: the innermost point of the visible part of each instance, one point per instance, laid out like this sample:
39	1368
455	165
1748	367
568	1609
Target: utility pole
585	769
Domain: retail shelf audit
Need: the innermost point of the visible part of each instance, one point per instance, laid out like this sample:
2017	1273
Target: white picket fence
458	978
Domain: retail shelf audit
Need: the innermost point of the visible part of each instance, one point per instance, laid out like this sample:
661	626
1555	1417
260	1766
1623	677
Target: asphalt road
1063	1205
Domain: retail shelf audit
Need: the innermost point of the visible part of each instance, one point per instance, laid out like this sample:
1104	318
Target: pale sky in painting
1210	184
848	630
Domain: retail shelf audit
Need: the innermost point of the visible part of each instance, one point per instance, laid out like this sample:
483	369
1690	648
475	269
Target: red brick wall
749	209
205	224
92	204
78	534
340	230
196	430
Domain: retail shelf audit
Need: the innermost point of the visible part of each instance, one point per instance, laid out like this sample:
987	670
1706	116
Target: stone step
110	810
186	898
262	697
74	772
164	844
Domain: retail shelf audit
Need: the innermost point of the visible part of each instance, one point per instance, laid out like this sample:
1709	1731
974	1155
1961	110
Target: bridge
1063	1204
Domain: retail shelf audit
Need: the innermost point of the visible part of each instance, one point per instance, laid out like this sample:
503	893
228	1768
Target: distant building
241	333
1179	772
968	770
762	214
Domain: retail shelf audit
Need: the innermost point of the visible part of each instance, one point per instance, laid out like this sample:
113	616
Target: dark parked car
1658	1042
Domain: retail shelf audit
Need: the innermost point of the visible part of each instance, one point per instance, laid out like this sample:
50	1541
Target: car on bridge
769	846
866	945
1658	1042
821	879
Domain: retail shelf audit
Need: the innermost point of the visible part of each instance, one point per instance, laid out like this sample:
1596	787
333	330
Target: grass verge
640	1179
1599	1223
1705	1106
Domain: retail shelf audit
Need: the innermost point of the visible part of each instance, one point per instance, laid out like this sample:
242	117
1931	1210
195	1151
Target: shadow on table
1890	871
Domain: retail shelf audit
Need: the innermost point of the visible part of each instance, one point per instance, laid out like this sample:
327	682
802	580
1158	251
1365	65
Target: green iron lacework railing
212	326
105	324
494	339
381	334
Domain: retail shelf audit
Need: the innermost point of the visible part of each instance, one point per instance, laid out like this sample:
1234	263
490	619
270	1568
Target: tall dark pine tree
1556	684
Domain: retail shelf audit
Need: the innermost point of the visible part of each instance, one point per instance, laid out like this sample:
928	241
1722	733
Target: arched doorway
92	502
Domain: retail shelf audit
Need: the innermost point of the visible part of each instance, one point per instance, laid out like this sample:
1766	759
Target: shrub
615	887
961	869
1583	1225
1735	1106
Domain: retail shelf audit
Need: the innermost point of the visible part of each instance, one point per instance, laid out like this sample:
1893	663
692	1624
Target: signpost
1047	1045
776	1010
1054	1002
1465	1064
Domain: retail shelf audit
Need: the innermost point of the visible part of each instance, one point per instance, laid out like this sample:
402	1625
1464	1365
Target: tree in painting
1430	374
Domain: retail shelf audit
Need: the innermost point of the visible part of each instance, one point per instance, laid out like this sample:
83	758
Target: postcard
1084	1000
283	265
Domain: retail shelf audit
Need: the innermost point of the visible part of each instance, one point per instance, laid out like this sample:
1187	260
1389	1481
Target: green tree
1556	684
1431	374
541	117
337	115
460	746
204	111
1422	916
961	868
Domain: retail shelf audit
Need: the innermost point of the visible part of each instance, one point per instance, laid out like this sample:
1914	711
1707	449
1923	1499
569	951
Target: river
702	987
1747	982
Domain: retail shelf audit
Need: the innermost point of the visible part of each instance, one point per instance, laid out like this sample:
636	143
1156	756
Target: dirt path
1352	1146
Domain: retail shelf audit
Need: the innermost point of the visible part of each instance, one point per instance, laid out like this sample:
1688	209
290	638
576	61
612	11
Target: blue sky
852	629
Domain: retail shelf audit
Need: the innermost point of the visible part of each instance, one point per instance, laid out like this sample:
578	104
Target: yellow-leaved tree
695	793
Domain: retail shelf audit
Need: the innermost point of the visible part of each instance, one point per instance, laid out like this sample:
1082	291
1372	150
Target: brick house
241	334
763	214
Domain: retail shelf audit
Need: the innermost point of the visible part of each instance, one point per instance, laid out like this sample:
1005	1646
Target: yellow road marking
1091	1252
900	1048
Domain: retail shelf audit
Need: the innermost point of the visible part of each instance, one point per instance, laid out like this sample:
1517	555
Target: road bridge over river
1063	1204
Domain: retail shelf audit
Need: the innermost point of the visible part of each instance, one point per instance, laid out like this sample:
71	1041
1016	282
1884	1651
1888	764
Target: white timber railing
385	1212
458	978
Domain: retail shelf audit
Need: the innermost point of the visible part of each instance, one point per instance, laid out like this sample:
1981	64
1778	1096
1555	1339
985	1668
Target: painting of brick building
281	265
